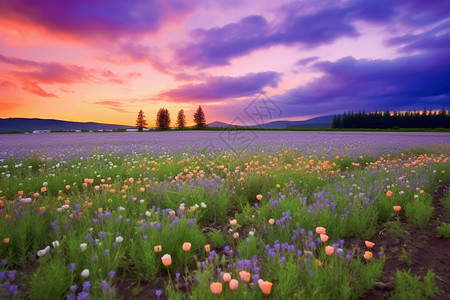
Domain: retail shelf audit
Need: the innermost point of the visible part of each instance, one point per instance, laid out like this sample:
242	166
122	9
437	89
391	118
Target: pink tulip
259	197
321	230
226	277
369	244
233	284
186	247
216	288
233	222
329	250
323	238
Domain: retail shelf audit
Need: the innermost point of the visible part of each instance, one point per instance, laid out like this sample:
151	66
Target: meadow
116	219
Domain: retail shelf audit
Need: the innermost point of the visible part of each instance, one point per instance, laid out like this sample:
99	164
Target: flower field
276	224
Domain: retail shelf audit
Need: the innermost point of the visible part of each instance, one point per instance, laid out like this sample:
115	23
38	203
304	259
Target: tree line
163	119
384	120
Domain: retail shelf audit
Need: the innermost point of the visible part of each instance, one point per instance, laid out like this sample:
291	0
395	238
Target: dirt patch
423	249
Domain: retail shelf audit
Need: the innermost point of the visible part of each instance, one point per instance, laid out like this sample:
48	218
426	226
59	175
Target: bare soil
426	250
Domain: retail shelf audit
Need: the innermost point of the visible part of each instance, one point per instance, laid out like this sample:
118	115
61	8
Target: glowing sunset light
104	61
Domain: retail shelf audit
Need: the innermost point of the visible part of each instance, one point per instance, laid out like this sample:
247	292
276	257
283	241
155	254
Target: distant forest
424	119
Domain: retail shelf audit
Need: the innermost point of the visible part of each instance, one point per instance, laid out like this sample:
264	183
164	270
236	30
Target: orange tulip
216	288
368	255
259	197
323	238
157	248
397	207
6	240
271	221
245	276
2	203
265	286
43	189
233	222
142	189
233	284
186	247
166	260
369	244
226	277
329	250
321	230
36	195
388	193
207	248
20	193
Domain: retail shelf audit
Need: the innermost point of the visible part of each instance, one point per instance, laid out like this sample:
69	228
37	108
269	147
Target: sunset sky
103	60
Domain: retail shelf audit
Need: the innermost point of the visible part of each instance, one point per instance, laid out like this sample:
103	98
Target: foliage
409	286
397	120
140	121
444	230
163	119
199	117
181	119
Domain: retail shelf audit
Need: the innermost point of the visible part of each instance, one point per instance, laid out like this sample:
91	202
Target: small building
131	129
41	131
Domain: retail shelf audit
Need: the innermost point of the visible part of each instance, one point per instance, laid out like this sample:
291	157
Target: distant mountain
319	122
26	124
218	124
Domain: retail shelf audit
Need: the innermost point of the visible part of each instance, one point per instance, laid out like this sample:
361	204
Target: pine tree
181	119
140	121
199	118
163	119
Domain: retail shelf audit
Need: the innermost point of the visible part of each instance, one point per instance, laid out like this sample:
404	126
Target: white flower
203	204
416	196
41	253
251	233
401	192
196	205
85	273
119	239
60	209
142	201
121	208
83	247
55	244
45	184
148	214
47	249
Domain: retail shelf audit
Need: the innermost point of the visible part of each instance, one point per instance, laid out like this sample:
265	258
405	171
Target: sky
104	60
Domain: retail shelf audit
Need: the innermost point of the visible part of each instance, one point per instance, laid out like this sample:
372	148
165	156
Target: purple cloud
301	24
223	87
435	39
97	18
349	84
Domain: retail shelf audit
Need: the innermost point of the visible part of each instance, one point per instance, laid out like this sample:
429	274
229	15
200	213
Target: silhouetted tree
181	119
416	119
163	119
140	121
199	117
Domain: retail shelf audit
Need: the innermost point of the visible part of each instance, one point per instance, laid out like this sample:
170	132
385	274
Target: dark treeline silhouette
163	119
385	120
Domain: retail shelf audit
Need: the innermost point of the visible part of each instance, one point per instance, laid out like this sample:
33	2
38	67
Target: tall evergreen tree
181	119
140	121
163	119
199	117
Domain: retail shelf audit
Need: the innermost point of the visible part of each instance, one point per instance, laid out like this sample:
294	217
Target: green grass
136	202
